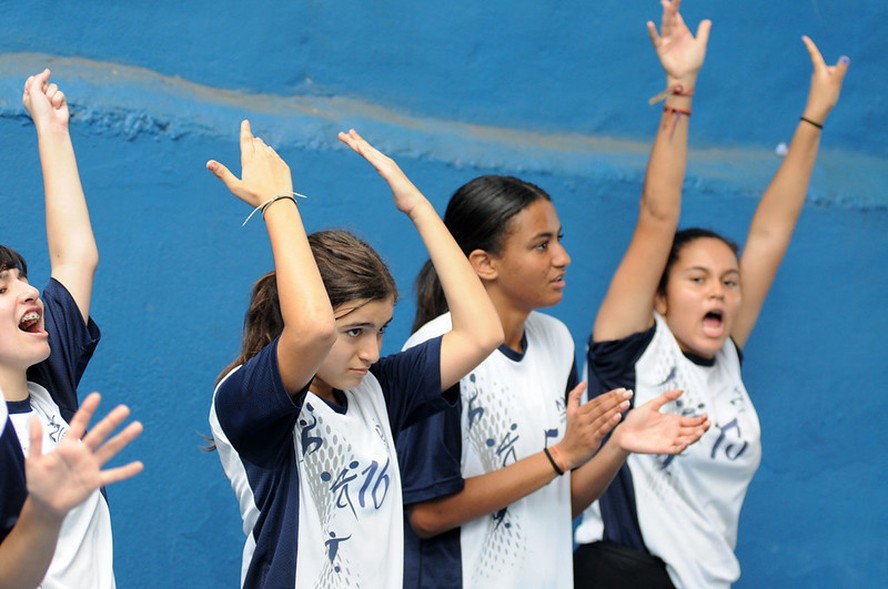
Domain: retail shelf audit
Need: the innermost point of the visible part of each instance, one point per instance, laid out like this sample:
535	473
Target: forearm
309	326
778	211
68	228
27	551
476	328
588	482
482	495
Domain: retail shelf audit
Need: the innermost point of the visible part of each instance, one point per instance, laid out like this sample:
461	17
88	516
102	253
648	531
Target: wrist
683	84
559	461
42	513
51	128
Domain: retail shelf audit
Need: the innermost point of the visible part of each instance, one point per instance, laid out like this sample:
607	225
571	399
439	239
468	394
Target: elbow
312	331
492	338
426	523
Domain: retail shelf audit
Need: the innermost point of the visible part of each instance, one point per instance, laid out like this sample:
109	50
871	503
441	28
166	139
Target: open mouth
30	322
713	319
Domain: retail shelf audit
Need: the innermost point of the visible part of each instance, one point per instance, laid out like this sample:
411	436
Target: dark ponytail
478	216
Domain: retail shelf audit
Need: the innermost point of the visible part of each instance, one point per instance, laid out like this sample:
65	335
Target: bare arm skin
309	327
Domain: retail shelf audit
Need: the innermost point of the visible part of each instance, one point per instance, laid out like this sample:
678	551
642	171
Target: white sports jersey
318	483
83	556
688	506
513	405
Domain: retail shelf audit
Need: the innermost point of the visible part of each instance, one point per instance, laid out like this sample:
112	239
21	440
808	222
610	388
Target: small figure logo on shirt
333	548
506	448
310	444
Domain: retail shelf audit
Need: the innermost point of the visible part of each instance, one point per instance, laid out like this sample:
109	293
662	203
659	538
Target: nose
718	289
28	292
369	350
560	257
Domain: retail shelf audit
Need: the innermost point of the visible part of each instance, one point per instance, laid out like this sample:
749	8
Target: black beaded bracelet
810	122
553	463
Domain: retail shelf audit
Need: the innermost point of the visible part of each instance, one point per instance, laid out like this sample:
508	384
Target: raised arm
309	328
778	211
628	305
59	481
73	254
476	328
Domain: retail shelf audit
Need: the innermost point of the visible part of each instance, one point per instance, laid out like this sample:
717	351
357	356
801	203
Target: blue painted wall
554	92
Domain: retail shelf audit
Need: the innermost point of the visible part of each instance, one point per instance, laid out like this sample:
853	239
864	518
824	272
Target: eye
696	279
353	332
561	236
731	283
542	246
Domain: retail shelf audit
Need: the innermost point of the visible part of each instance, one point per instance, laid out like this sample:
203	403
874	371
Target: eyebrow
366	324
708	271
547	234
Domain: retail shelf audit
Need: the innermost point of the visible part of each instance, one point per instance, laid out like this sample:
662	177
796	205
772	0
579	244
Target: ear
484	264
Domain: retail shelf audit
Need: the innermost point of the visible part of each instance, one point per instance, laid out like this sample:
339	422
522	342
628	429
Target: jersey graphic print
495	432
688	505
348	486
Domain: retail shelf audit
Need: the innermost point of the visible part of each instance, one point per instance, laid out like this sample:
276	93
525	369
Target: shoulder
437	326
546	327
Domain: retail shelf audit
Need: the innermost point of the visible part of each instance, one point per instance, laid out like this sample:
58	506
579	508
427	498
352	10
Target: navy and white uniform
318	484
84	554
511	407
683	509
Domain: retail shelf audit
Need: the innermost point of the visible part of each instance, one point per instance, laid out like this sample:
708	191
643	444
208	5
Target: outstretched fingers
80	421
121	473
407	196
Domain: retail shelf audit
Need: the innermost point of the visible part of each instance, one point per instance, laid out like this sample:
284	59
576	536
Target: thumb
842	66
224	174
667	397
703	31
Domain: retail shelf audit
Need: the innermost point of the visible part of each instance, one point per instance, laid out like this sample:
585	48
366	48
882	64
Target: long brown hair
351	270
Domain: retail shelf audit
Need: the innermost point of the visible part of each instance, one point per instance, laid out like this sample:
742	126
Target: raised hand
63	478
406	195
588	424
44	101
826	83
264	174
647	431
681	53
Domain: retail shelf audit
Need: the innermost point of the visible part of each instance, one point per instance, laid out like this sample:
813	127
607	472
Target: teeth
30	318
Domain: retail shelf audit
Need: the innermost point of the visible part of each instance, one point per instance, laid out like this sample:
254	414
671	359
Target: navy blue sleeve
71	342
611	364
573	380
430	455
411	384
13	490
255	411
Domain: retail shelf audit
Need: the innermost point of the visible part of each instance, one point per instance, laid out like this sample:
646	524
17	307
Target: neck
322	390
14	384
